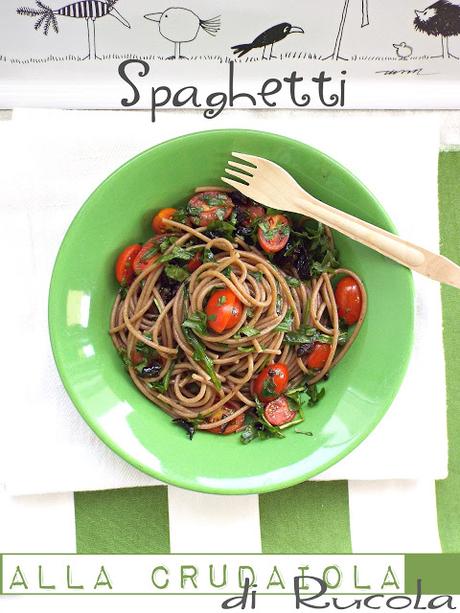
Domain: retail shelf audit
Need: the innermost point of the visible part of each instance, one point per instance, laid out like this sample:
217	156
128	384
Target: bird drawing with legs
267	39
90	10
440	19
180	25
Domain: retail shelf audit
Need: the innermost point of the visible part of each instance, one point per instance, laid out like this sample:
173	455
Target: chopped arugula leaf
314	394
208	255
268	388
257	274
197	322
162	386
227	272
286	324
293	281
250	349
201	356
246	331
222	300
177	253
222	228
306	335
176	273
180	215
167	242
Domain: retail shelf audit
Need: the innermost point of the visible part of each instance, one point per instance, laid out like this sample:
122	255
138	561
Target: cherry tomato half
206	207
317	358
148	254
250	214
195	262
231	426
224	310
157	222
278	413
349	300
271	382
124	267
273	233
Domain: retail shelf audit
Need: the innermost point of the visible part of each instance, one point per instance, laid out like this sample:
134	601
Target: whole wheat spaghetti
160	321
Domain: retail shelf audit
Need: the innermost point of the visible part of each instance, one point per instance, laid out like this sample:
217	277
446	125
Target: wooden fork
271	185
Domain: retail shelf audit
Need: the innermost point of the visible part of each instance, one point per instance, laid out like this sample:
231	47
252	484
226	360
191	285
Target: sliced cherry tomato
195	262
273	233
278	413
206	207
349	300
317	358
148	254
157	222
231	426
224	310
271	382
136	357
248	214
124	267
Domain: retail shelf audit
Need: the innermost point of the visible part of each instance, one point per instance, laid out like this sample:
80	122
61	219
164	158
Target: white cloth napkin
50	161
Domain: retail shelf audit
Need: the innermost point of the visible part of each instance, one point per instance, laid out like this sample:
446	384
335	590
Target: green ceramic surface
83	288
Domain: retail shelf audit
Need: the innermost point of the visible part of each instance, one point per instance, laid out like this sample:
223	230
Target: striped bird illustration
84	9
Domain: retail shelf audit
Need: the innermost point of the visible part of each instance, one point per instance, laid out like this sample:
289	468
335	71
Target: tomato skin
318	356
249	214
157	222
139	263
224	310
279	375
210	204
349	300
195	262
124	267
277	412
280	239
231	426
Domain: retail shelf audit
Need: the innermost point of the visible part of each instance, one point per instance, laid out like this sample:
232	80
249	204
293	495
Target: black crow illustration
440	19
269	37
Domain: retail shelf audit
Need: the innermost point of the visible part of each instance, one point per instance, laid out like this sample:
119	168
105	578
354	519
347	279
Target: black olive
258	425
304	349
152	370
244	230
326	377
187	426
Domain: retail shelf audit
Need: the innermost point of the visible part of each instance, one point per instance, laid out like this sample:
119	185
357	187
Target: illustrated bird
440	19
85	9
403	50
181	25
268	38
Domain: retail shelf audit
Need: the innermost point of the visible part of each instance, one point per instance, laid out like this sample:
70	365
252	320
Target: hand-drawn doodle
85	9
335	55
268	38
180	25
440	19
403	50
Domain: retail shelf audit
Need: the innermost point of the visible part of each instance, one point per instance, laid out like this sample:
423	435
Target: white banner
298	53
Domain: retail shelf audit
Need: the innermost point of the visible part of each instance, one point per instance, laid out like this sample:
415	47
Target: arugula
223	228
150	253
250	349
197	322
257	427
314	394
306	335
247	331
177	253
270	232
208	255
201	356
268	388
162	385
257	274
167	242
293	281
180	215
176	273
286	324
227	272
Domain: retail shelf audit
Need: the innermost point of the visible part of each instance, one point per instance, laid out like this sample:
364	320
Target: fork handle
417	258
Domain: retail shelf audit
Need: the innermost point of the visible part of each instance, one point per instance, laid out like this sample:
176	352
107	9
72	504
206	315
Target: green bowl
83	288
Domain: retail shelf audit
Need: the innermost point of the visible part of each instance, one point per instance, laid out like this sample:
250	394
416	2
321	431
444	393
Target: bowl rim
184	482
